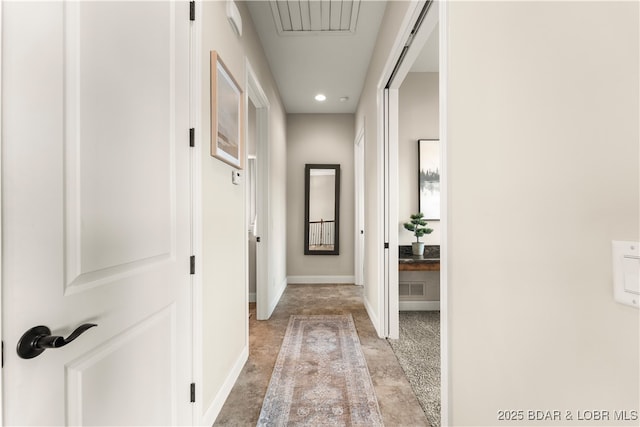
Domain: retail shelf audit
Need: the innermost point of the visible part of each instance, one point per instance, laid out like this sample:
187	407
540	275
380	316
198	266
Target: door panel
95	396
110	102
96	217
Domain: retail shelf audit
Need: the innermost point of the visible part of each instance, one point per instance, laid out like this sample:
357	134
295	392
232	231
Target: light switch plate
626	272
236	177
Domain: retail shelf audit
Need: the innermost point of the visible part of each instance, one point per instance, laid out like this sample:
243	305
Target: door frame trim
195	118
359	177
443	99
1	234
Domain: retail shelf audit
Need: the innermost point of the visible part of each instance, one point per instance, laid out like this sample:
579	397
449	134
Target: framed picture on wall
227	106
429	178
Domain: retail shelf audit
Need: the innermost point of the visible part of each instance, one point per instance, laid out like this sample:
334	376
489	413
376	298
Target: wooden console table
430	261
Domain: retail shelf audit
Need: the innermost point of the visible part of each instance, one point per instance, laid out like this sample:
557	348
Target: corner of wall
277	295
212	412
374	317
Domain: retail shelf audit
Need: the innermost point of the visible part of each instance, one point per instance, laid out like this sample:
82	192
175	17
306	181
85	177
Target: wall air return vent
412	290
298	17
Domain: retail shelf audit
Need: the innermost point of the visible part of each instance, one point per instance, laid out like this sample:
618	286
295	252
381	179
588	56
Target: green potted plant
417	226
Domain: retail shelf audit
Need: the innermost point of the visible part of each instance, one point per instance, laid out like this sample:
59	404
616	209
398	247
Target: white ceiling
306	61
332	63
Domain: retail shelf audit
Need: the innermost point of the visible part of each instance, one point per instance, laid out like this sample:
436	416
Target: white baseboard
252	297
419	305
374	318
321	279
214	409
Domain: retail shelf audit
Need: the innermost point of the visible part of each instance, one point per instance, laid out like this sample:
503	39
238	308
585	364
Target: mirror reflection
322	196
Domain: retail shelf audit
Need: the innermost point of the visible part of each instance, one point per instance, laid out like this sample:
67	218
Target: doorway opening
257	185
252	198
413	95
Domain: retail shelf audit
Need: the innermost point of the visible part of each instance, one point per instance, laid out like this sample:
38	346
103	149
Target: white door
96	217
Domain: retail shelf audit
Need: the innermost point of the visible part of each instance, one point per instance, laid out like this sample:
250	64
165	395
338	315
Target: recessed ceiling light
320	97
344	99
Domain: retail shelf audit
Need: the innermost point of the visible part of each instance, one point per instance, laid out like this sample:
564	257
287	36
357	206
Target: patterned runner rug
320	377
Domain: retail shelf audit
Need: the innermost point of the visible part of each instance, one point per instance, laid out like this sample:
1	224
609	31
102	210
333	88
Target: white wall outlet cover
235	19
626	272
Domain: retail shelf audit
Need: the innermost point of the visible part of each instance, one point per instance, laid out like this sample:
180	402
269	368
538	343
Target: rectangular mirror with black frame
321	209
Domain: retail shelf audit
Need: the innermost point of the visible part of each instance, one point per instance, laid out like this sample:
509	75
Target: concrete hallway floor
398	404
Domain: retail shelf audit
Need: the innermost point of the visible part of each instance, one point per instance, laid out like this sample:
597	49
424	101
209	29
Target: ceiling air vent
294	17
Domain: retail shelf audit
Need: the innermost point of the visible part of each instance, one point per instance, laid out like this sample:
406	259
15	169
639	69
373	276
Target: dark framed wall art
429	178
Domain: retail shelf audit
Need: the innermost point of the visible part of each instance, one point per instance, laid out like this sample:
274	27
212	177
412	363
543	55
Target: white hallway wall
543	174
319	138
367	118
418	118
224	231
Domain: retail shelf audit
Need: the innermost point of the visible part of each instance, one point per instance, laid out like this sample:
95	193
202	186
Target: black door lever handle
39	338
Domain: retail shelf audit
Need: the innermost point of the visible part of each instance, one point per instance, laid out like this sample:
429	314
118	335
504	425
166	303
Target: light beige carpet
418	352
320	377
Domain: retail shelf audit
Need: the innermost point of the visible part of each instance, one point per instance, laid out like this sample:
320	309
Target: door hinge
386	245
258	239
3	354
192	11
193	392
192	137
192	264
